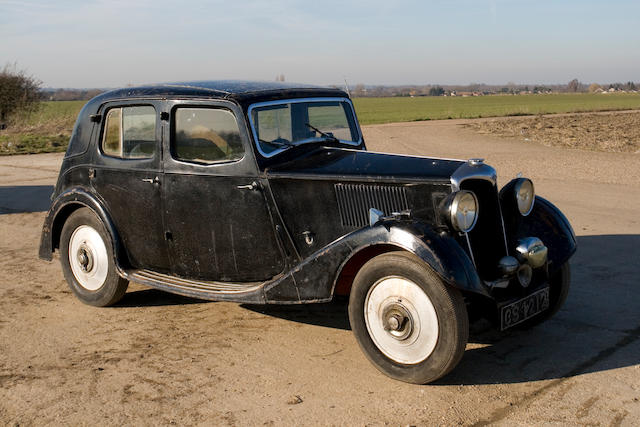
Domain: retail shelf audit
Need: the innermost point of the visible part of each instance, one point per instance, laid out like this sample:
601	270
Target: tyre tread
449	350
115	286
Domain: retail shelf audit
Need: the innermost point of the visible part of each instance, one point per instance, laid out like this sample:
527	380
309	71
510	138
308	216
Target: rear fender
63	206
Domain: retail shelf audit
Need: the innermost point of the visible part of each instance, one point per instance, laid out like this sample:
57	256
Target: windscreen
279	126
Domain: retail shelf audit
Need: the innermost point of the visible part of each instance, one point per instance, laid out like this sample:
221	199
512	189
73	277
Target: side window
130	132
206	135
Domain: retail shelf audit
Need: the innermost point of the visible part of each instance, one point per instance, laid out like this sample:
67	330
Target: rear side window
130	132
206	135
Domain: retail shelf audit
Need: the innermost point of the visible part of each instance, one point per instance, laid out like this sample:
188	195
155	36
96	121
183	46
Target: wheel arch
62	208
350	267
440	252
59	220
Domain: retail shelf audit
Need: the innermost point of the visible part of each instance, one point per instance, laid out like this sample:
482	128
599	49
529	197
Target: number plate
524	309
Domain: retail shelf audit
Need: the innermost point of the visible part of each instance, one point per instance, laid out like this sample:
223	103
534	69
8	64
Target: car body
265	193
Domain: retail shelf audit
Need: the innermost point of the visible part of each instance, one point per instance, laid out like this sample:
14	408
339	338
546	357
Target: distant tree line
477	89
70	94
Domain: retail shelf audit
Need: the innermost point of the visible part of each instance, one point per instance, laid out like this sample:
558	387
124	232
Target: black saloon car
264	193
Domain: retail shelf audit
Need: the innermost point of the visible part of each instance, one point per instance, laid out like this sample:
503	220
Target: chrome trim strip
409	155
504	230
473	259
296	101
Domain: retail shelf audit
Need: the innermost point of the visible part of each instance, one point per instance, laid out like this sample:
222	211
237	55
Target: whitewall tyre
409	324
87	259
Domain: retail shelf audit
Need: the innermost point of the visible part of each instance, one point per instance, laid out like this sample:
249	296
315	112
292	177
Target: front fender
61	208
547	223
315	277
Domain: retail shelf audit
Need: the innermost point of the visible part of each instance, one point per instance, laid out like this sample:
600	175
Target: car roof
242	91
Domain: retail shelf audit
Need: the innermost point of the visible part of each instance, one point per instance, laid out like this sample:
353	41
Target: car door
127	177
216	213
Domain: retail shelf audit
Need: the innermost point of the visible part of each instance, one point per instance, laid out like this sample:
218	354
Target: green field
49	129
389	110
46	130
61	113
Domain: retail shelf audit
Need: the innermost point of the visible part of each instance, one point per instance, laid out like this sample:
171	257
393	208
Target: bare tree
573	85
18	92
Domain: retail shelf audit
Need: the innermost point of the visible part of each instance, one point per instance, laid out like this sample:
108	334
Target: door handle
253	186
155	180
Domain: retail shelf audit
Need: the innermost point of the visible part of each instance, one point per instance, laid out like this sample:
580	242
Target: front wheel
87	260
409	324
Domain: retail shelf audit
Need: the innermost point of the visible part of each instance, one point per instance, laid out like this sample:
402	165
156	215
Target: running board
251	292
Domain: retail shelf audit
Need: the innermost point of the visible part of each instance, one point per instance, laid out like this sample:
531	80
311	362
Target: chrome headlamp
463	210
524	195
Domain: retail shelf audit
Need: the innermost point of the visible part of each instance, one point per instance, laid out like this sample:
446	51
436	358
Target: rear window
130	132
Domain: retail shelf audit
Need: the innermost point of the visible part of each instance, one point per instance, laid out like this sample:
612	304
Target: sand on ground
158	358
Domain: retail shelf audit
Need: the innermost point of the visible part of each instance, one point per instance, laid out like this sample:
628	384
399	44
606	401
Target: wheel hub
397	320
401	320
88	257
85	258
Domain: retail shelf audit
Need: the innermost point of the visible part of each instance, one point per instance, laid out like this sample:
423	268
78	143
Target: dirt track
161	359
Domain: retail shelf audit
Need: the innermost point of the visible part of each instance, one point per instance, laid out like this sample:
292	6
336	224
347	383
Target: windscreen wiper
327	136
277	143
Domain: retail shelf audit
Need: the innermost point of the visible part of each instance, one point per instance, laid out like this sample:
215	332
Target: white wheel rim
395	300
88	258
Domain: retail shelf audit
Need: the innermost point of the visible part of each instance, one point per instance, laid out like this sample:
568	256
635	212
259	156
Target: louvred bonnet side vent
355	200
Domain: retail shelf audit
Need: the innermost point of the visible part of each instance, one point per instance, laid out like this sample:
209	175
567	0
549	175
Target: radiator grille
487	237
355	200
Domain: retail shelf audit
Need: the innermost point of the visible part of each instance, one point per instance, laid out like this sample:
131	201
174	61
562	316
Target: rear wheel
87	260
409	324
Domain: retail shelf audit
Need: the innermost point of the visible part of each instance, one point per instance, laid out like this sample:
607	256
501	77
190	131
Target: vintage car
264	193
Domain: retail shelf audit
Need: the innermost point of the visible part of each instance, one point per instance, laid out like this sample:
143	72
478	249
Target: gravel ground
157	358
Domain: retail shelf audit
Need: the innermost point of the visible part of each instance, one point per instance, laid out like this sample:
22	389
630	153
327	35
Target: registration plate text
524	309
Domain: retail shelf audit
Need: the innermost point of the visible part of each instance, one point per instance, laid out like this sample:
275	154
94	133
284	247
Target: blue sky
112	43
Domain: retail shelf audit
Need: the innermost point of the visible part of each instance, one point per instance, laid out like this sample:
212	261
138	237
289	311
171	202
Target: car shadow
25	198
155	298
330	314
597	329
